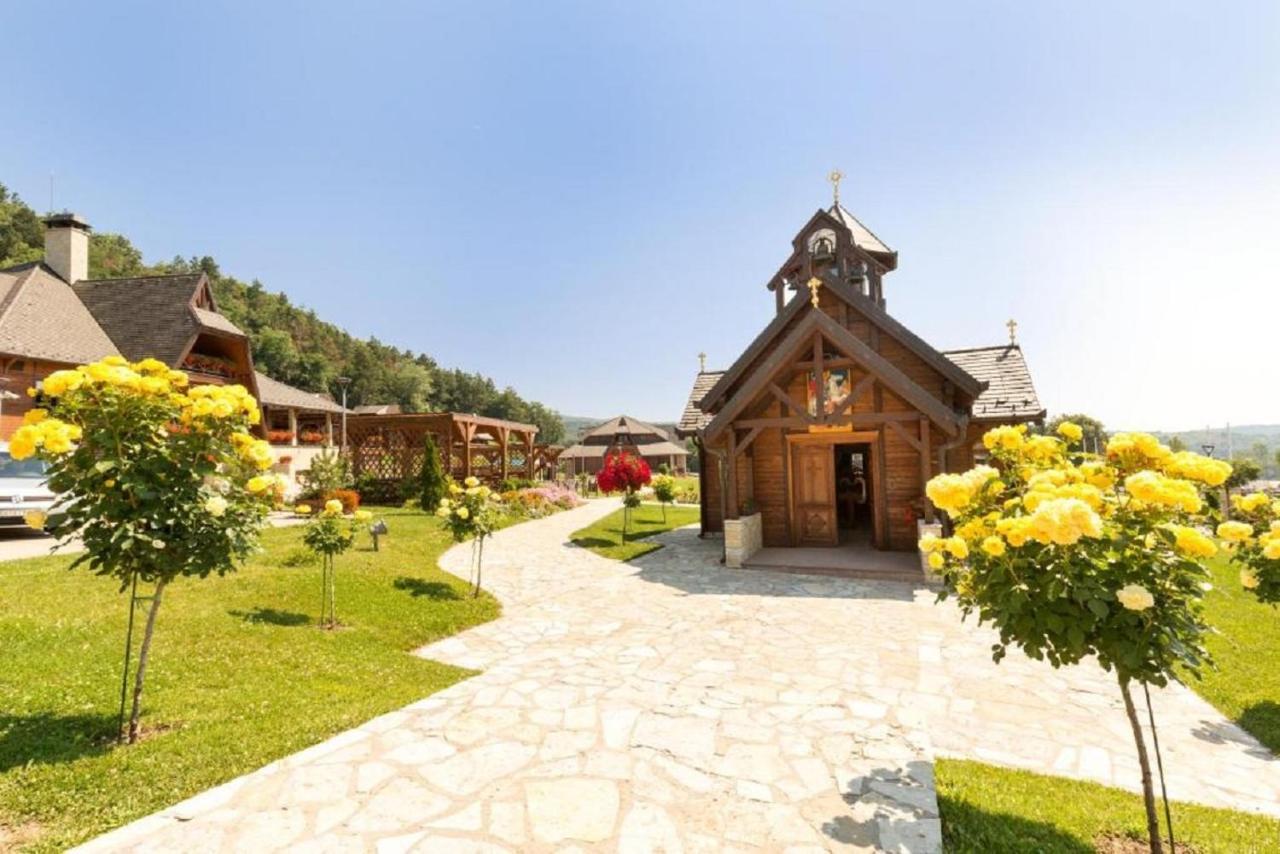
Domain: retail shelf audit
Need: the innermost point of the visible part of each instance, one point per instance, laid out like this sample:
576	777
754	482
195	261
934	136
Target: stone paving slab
674	705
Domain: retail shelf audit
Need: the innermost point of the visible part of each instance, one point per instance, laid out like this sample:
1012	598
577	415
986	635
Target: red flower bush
623	473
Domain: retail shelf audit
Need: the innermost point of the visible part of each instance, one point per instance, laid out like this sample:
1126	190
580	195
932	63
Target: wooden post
328	429
468	433
732	463
293	427
528	454
924	467
504	436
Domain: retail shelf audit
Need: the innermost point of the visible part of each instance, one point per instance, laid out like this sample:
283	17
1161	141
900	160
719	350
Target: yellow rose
260	483
1191	542
1271	551
1070	431
36	519
23	442
35	416
1251	502
1235	532
363	515
958	548
1249	579
302	509
333	507
930	543
462	513
215	505
1135	597
59	383
993	546
936	560
471	482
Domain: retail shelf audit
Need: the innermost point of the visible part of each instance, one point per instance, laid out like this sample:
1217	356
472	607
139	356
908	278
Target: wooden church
833	419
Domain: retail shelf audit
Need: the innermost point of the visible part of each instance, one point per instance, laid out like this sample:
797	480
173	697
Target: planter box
742	538
922	528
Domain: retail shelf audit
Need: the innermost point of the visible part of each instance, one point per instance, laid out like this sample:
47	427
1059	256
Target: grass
604	537
240	674
985	809
1245	686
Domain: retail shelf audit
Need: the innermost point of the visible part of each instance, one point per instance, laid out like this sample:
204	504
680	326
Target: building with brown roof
623	434
53	316
824	431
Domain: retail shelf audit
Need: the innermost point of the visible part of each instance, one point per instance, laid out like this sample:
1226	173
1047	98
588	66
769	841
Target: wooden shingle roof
42	318
275	393
694	419
151	315
1010	393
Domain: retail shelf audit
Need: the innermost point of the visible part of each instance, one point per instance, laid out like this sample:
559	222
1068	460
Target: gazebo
623	434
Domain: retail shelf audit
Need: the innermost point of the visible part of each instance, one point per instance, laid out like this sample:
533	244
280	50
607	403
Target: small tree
664	489
470	513
432	483
1070	555
628	475
1243	471
158	480
1253	538
329	534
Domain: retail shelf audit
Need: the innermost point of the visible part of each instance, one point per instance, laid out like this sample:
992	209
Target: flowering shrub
470	513
664	490
158	480
1069	555
329	534
348	498
1254	541
628	475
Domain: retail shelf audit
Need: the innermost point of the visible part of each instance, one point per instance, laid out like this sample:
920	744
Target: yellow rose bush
158	479
329	534
1070	555
471	513
1253	539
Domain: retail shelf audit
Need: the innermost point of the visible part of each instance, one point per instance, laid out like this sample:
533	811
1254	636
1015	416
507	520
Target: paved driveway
674	705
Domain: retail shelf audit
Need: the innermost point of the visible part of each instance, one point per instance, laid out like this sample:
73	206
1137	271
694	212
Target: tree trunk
142	662
1148	790
333	593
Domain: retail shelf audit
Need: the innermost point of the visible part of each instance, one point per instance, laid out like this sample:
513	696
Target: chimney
66	245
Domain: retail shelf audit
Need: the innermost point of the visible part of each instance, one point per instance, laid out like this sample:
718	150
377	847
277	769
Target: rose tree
470	513
1253	538
329	534
628	475
158	480
1069	555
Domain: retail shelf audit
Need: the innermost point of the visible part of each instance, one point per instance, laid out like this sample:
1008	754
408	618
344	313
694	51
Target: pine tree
432	484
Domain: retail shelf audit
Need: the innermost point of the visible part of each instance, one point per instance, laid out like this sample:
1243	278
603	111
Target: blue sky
576	198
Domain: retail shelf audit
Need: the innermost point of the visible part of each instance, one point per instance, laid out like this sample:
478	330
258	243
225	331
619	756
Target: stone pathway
674	705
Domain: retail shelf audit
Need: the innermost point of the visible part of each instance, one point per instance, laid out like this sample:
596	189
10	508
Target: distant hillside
292	344
1257	442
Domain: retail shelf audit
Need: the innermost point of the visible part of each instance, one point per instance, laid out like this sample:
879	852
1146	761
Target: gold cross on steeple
702	363
814	285
1013	330
835	178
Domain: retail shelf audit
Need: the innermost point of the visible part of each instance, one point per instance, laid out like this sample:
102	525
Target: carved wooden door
814	484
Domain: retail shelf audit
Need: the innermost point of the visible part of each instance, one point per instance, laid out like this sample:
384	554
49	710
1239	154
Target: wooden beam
904	435
751	437
504	436
869	419
785	400
820	387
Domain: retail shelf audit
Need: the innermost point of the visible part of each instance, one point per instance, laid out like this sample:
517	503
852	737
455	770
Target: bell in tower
834	246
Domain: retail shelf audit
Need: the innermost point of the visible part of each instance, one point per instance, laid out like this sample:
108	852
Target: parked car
22	488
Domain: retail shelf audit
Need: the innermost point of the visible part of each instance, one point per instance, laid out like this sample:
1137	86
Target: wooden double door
814	515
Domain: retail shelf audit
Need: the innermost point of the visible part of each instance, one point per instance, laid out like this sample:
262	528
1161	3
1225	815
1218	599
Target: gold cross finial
814	285
835	178
1013	330
702	363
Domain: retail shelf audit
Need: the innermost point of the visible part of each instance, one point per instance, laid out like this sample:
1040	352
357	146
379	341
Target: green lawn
1246	648
240	674
987	809
605	536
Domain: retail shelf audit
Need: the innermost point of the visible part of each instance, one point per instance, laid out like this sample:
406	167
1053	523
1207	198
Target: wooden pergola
389	448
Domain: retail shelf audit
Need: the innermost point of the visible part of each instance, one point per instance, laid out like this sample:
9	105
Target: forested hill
291	343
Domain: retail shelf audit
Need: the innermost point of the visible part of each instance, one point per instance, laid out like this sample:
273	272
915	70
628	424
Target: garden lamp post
1208	449
343	382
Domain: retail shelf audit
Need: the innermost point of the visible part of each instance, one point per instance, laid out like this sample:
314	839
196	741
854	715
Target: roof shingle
1010	393
694	419
275	393
41	317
